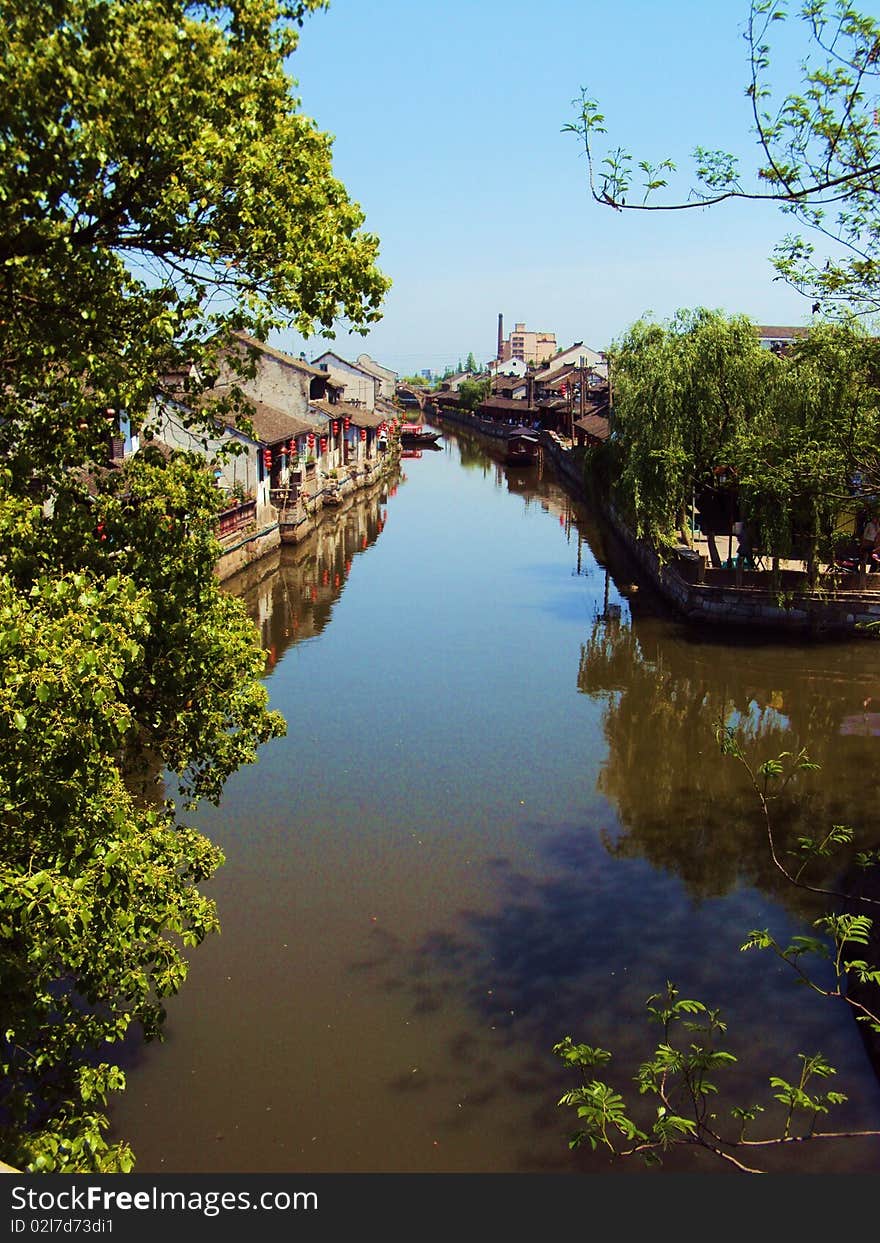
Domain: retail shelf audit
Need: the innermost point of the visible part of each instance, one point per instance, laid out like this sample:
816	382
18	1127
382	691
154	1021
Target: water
499	817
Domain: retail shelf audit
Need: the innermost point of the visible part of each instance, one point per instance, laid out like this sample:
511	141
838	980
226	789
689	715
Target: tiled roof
506	404
272	424
780	333
594	425
315	366
342	409
272	352
554	374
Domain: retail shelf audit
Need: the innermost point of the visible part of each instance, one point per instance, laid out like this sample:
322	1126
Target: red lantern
335	427
347	422
267	459
363	433
323	444
325	577
311	440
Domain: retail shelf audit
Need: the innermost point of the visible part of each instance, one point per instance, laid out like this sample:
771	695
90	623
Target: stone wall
834	612
241	550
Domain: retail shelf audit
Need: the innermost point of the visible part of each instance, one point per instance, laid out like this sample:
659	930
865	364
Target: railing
236	517
284	498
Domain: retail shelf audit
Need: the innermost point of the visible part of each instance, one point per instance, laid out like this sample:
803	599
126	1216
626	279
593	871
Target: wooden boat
522	447
417	436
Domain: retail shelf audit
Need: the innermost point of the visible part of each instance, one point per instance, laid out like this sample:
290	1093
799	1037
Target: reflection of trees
295	600
472	453
682	805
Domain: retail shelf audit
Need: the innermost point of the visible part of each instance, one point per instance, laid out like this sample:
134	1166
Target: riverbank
842	607
296	513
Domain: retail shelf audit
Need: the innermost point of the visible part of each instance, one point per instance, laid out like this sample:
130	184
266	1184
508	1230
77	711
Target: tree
471	364
682	1073
161	190
796	433
819	154
471	393
680	391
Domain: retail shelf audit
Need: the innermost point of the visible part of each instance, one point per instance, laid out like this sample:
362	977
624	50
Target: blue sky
447	121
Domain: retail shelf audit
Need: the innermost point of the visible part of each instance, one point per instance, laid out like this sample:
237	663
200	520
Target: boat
417	436
522	447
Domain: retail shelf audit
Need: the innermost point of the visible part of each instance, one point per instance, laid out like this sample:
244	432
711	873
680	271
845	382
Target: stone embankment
296	513
713	597
843	607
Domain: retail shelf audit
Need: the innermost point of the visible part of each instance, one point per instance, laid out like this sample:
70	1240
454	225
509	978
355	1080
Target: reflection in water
499	817
291	595
680	803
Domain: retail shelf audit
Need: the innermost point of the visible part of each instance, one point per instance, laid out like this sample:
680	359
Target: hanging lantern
311	440
363	433
267	459
335	426
323	444
325	577
347	423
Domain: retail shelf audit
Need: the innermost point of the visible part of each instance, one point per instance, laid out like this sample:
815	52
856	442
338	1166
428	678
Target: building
386	377
579	355
508	367
305	448
531	347
360	386
777	338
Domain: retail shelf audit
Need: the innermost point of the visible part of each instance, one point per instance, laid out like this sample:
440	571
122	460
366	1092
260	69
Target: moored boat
417	436
522	447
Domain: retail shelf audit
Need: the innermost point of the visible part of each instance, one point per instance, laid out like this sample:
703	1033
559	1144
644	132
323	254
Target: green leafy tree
819	154
680	1079
471	364
680	391
161	190
796	432
471	393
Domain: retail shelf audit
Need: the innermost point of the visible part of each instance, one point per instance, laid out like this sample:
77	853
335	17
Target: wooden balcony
236	518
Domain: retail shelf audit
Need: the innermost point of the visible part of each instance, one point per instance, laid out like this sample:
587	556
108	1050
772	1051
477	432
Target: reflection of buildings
295	599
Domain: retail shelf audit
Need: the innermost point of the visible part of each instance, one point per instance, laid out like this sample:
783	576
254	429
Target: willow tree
160	190
807	457
681	391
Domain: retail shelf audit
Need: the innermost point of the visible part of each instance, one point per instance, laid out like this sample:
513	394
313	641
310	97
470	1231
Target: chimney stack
500	335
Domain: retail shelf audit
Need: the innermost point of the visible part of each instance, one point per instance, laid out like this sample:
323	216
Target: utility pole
582	362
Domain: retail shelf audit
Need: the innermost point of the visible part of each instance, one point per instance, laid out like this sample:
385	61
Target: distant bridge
412	395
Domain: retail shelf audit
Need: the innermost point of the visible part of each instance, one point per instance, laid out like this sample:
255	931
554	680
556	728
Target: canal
499	817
